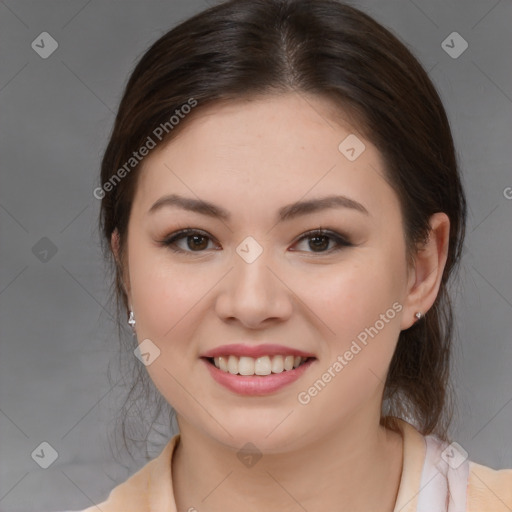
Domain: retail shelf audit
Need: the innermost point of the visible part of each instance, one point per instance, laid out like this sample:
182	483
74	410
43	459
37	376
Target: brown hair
243	48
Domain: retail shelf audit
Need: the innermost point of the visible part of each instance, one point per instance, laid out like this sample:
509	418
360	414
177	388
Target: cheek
361	305
351	298
162	292
166	301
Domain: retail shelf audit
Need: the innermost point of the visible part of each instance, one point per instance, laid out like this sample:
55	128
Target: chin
266	437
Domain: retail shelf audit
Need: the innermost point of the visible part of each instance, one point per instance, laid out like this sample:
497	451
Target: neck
356	468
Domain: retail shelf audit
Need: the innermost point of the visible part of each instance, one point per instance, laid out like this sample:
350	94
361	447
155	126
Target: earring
131	321
418	315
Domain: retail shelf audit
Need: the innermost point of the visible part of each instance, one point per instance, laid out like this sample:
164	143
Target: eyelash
342	242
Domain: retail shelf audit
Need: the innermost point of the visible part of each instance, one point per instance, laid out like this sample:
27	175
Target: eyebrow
287	212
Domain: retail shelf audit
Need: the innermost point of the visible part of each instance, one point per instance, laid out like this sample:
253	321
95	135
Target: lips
257	385
254	351
256	369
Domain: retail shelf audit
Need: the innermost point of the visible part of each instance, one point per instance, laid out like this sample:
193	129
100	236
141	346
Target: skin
253	157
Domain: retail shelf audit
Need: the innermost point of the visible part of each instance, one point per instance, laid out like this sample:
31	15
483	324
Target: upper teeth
257	366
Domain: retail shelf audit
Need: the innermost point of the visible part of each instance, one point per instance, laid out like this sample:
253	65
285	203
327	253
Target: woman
281	198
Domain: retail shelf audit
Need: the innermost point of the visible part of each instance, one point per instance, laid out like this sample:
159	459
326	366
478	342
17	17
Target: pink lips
239	350
256	385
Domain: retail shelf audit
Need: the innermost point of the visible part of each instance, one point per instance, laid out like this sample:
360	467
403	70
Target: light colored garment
435	478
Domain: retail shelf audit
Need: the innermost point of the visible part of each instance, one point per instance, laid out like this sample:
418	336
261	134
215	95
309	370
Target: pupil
321	246
198	245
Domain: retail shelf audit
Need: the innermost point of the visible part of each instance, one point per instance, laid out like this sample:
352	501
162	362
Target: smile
264	365
251	383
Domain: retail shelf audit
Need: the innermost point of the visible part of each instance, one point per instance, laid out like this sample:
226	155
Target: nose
254	293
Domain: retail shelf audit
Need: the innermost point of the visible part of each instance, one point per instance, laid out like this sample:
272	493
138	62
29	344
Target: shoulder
489	489
450	481
130	495
466	485
148	489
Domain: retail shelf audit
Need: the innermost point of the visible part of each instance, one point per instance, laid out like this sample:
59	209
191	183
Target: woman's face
255	277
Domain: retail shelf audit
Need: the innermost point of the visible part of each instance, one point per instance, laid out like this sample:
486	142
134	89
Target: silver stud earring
131	321
418	315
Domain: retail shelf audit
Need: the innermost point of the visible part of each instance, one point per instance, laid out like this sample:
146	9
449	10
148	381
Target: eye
319	240
196	241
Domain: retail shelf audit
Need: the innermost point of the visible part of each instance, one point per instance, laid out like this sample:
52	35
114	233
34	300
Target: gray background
57	334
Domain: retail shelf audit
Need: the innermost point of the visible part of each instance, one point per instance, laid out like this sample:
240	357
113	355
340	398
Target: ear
425	276
115	242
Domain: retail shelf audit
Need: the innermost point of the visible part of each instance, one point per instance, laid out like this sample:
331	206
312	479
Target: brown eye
196	241
319	241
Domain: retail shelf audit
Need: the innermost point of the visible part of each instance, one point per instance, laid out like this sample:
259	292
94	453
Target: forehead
250	152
